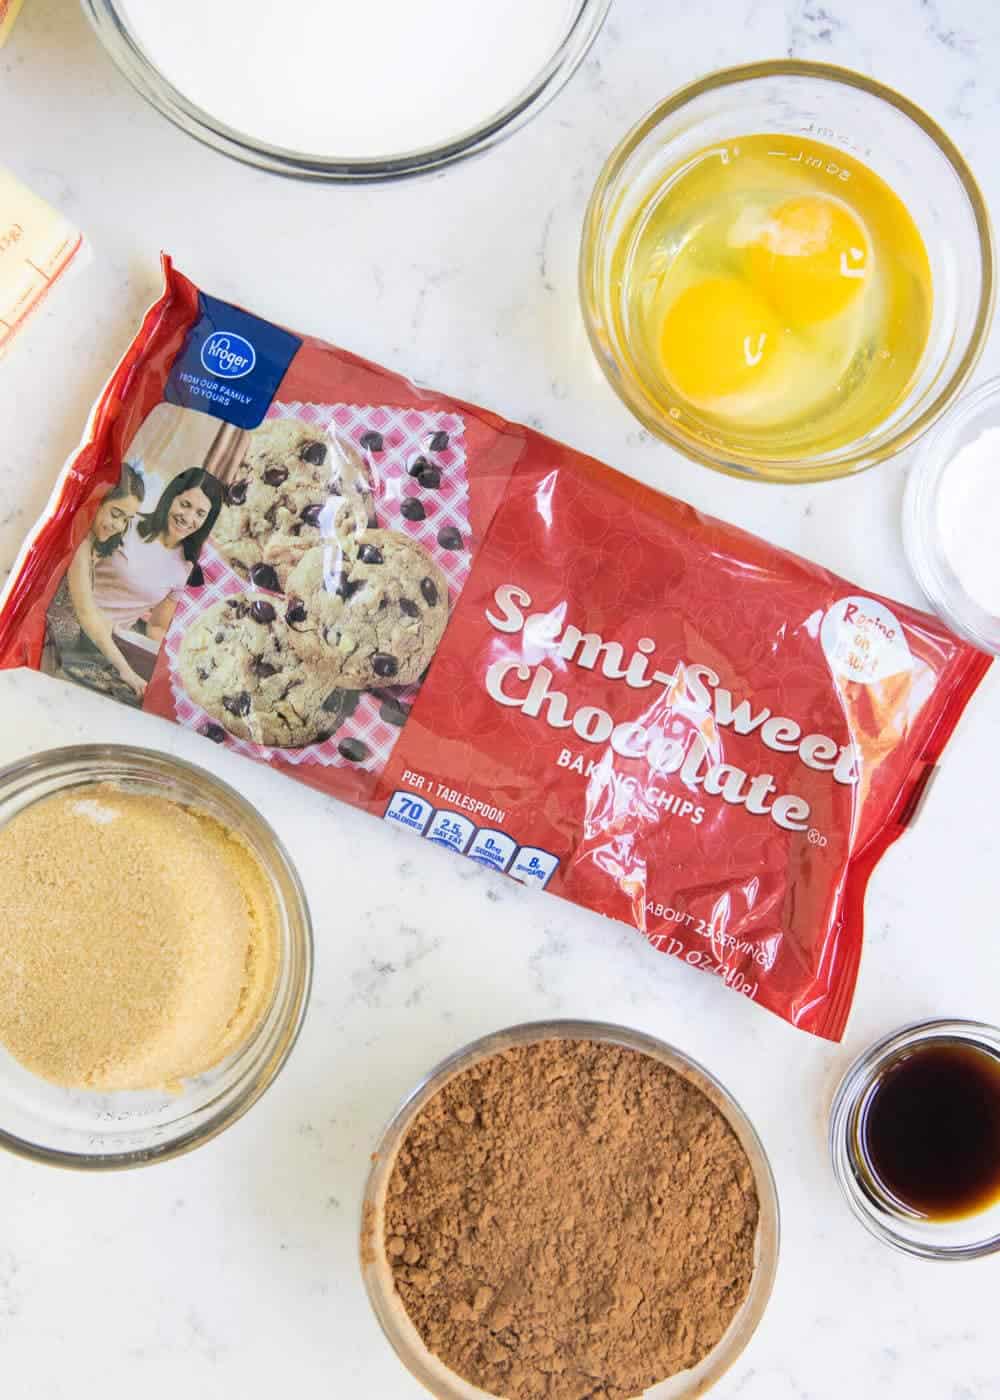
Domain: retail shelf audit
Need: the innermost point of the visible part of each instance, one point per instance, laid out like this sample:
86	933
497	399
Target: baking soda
360	81
969	515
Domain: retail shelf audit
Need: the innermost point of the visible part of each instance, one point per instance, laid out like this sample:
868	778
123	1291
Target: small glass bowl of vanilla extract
915	1139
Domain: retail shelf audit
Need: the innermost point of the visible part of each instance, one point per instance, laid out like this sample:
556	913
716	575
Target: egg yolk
718	336
810	259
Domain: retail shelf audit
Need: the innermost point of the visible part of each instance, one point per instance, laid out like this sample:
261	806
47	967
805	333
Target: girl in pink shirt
144	576
75	599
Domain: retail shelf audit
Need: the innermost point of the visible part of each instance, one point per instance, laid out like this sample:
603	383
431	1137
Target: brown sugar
139	940
570	1220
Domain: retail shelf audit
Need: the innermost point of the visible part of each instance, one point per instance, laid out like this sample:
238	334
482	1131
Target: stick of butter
37	245
8	14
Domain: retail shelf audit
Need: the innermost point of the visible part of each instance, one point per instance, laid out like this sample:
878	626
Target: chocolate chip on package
491	641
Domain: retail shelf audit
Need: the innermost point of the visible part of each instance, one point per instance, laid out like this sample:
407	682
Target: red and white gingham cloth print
406	434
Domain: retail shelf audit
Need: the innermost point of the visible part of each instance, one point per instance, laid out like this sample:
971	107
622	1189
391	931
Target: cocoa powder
570	1220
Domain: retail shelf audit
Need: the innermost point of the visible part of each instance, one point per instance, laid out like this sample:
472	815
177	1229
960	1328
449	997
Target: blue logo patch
230	364
228	355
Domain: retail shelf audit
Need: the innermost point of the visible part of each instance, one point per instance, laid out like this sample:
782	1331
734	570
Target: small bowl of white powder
951	517
348	92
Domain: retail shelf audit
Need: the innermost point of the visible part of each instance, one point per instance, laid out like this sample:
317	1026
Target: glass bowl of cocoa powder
567	1208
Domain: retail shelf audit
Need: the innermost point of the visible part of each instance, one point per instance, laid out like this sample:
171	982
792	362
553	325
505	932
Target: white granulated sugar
969	517
359	80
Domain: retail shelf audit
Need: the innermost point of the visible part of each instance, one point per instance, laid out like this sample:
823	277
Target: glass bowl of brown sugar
155	962
566	1203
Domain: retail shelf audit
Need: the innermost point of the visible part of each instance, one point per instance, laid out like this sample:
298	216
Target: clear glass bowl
395	1322
867	121
975	414
970	1237
91	1130
582	29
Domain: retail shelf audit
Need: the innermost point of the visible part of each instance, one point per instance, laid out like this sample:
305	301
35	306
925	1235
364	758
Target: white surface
232	1273
361	81
969	505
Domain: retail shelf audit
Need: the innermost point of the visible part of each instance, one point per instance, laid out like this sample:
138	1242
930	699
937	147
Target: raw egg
718	336
776	294
810	259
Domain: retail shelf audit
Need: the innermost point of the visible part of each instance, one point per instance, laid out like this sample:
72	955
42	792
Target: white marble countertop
233	1272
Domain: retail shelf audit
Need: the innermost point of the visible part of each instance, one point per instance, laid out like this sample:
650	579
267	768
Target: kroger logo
228	355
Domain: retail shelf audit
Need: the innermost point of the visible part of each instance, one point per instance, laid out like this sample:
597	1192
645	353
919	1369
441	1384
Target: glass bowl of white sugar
951	517
348	92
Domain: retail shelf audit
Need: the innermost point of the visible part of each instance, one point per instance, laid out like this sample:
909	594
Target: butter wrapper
37	245
9	11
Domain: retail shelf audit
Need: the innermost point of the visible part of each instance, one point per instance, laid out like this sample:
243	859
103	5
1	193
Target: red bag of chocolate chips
490	640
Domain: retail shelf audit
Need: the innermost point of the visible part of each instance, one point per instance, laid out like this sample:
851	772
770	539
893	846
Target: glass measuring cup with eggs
787	271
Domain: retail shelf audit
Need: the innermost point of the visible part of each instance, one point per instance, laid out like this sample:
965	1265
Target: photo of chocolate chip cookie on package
237	664
371	612
342	546
295	485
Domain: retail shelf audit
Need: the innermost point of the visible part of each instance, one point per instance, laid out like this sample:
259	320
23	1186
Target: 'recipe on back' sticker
864	641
